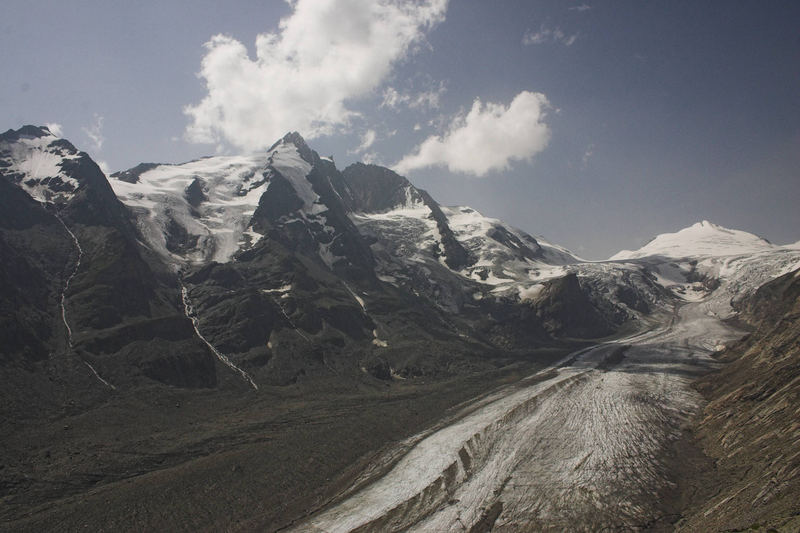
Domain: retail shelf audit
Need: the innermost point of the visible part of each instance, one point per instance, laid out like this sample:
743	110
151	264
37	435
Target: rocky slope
85	306
751	425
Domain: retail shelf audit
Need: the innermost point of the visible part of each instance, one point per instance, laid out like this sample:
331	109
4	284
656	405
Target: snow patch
530	293
41	165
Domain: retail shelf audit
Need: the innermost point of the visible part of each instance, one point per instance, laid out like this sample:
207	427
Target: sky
595	124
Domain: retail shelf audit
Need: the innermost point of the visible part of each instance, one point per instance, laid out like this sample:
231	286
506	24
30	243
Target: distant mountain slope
702	239
711	263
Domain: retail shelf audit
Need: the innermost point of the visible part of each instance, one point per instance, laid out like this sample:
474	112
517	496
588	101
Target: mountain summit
703	239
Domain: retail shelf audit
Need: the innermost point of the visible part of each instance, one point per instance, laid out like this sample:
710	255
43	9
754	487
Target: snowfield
701	239
232	187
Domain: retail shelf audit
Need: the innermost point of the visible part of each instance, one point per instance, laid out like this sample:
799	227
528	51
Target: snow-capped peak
33	158
286	158
703	239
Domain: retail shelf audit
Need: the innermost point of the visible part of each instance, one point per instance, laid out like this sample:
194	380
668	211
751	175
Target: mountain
702	239
85	306
709	262
293	267
266	325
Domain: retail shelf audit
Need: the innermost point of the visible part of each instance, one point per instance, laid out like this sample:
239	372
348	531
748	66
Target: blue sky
595	124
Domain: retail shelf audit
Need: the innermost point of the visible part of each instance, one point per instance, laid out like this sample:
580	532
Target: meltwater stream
64	301
191	315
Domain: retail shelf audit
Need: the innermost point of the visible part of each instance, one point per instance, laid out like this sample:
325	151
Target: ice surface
580	445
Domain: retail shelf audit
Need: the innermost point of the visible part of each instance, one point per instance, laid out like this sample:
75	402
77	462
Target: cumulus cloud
55	128
95	132
548	35
324	54
487	138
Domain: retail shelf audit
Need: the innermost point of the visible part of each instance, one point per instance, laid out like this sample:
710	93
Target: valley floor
594	441
586	445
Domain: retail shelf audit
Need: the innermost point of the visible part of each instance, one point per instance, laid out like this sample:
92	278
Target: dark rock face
34	254
132	175
377	189
455	256
565	310
351	257
529	250
195	194
749	426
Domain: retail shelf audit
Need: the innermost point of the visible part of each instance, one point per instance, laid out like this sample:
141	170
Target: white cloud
580	8
423	100
371	158
392	99
487	138
104	167
95	132
55	128
587	155
367	140
428	99
325	54
548	35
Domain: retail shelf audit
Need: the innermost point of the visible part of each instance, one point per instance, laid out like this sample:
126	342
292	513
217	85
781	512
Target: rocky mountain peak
376	189
294	138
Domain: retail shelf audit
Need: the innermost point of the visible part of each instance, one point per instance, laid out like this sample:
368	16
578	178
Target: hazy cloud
548	35
55	128
423	100
587	155
95	132
367	140
487	138
580	8
371	158
324	54
104	167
